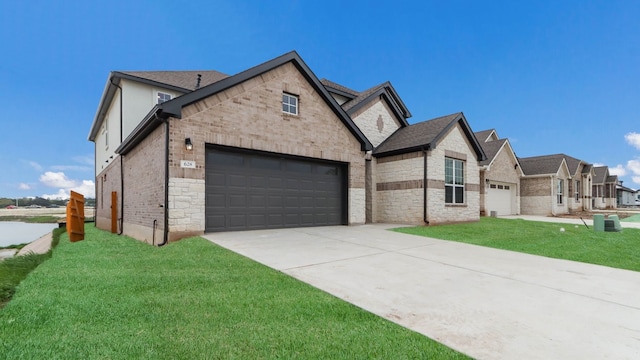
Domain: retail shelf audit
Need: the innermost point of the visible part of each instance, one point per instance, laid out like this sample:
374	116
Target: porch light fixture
188	144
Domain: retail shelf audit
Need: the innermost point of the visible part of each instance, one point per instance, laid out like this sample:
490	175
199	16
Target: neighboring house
604	189
625	196
544	186
428	173
271	147
500	175
579	189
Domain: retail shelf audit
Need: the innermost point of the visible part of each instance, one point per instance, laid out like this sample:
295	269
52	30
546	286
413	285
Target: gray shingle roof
539	165
601	173
490	148
182	79
362	96
483	135
612	179
426	135
572	163
336	86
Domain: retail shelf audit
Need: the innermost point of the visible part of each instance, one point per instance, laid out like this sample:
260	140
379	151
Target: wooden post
114	212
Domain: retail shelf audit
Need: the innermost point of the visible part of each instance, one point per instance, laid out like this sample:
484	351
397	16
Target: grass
15	269
32	219
634	218
613	249
111	297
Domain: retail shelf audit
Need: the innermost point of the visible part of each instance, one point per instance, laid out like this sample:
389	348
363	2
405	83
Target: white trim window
289	104
162	97
560	191
453	181
578	191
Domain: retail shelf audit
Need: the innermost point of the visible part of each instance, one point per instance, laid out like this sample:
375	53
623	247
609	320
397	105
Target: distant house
604	189
579	187
625	196
500	175
544	185
184	153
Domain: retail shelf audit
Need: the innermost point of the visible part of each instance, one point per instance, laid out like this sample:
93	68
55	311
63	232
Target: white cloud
598	165
24	186
35	165
618	170
60	181
86	188
634	166
636	179
70	167
56	180
61	195
633	139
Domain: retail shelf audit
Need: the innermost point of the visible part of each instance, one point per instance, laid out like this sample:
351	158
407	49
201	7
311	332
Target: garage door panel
251	190
500	197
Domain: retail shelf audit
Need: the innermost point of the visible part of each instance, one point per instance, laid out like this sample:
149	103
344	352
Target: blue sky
552	76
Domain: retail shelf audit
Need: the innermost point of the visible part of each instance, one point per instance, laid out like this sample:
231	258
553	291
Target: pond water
19	233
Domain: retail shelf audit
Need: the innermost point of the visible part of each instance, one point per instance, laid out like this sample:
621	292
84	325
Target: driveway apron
487	303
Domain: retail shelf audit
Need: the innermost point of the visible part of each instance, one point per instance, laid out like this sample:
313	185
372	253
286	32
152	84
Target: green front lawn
614	249
111	297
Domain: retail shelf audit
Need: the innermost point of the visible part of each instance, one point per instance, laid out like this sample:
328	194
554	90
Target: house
271	147
428	173
544	186
625	196
604	189
500	175
579	189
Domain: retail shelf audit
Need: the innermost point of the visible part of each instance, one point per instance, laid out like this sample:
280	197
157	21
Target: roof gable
426	135
487	135
544	165
173	108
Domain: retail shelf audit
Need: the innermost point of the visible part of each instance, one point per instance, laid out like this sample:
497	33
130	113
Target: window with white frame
453	181
289	104
560	190
163	97
578	190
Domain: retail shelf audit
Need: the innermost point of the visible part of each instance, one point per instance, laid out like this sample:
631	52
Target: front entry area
250	190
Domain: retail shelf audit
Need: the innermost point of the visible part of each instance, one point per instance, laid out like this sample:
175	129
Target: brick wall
108	180
539	196
144	188
455	144
376	121
250	115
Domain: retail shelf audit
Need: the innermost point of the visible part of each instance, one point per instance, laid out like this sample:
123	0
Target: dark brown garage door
254	190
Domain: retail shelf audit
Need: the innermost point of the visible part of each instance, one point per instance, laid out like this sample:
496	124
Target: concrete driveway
487	303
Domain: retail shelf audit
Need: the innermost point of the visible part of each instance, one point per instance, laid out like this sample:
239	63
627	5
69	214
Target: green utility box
616	222
598	222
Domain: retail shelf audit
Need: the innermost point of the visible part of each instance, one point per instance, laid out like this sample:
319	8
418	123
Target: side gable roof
542	165
179	81
339	89
426	135
173	108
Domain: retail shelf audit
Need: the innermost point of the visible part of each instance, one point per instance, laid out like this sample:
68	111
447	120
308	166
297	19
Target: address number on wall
187	164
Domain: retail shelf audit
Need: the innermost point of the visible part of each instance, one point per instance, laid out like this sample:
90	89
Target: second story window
289	104
163	97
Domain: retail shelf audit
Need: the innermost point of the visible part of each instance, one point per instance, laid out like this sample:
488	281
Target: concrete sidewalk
487	303
563	220
40	246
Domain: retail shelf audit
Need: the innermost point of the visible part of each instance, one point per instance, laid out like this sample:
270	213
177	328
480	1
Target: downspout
165	239
121	165
424	187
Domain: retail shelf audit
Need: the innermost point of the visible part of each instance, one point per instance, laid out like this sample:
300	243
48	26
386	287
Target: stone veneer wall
376	121
398	191
535	196
249	115
454	145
